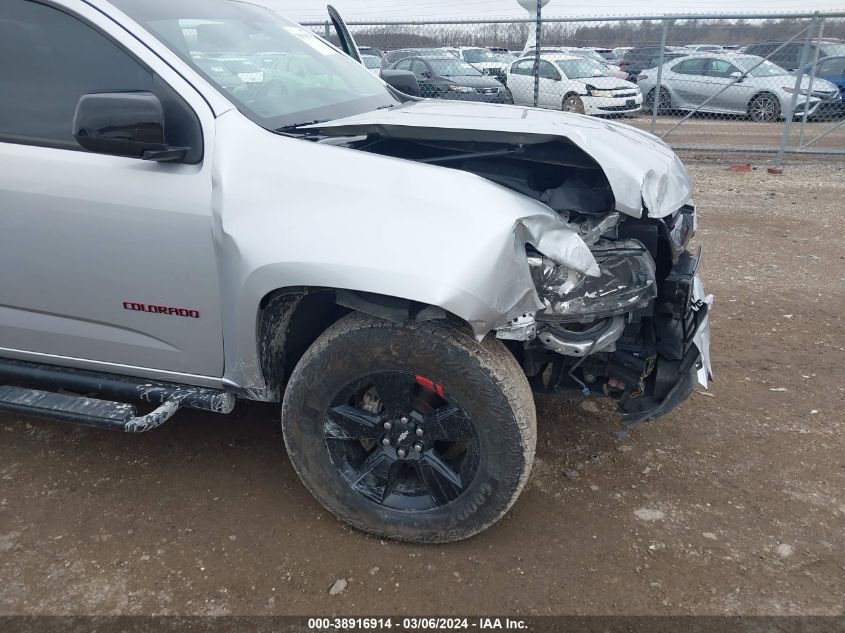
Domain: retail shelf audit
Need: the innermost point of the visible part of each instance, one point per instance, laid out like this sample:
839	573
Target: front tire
417	432
572	103
764	108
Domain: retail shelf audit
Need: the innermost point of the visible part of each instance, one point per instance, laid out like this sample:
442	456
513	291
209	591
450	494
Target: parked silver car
395	273
732	84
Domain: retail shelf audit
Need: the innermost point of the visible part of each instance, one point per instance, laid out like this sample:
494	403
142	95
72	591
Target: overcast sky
444	9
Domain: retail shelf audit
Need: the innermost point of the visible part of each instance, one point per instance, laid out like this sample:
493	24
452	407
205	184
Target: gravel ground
734	504
708	130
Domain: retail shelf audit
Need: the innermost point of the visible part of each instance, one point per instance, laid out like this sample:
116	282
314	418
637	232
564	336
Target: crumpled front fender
293	213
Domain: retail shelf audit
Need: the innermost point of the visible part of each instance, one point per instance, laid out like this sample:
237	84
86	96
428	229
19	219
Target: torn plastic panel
701	339
626	283
559	242
680	228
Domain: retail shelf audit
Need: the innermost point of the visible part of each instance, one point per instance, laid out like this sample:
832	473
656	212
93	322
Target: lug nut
418	447
401	452
387	426
420	432
386	441
403	420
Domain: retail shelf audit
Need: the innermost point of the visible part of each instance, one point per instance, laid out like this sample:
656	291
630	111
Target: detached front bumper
612	105
682	346
637	332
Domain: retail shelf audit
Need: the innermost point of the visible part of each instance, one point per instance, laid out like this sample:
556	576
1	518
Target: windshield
831	50
453	68
371	61
766	69
581	68
479	56
588	54
277	73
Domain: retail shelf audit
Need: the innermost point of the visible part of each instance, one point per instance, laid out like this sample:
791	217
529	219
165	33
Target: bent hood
608	83
643	172
490	65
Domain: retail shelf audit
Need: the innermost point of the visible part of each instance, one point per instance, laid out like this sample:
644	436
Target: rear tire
764	108
417	432
664	101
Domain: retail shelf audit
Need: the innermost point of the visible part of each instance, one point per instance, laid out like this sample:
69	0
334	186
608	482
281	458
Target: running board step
101	414
114	386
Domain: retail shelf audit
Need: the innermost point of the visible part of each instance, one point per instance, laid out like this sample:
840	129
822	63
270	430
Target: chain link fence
770	84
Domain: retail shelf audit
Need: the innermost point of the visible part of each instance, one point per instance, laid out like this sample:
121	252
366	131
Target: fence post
537	45
789	116
327	29
655	106
812	81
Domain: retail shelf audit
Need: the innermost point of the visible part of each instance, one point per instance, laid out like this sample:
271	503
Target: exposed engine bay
628	332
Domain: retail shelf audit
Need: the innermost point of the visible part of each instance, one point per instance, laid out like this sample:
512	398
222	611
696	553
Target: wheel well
291	319
289	322
761	93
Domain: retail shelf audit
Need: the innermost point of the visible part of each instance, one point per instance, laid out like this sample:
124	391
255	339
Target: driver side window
832	67
548	71
419	68
524	67
722	69
697	66
48	60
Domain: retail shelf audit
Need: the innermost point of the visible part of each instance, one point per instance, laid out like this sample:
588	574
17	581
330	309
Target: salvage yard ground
714	130
735	503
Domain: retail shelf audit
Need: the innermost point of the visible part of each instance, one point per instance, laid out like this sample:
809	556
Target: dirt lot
733	504
713	130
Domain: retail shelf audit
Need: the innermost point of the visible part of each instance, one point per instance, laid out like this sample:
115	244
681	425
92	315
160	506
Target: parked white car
483	59
612	69
573	84
705	48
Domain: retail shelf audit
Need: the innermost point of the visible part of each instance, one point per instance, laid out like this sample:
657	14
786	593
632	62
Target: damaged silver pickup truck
210	203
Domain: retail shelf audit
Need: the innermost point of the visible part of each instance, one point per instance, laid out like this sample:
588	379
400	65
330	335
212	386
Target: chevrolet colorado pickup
202	202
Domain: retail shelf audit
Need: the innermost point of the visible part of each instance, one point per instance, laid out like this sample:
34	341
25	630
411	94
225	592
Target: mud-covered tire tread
491	358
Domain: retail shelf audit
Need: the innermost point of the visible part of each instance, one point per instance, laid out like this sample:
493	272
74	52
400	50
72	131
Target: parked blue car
832	69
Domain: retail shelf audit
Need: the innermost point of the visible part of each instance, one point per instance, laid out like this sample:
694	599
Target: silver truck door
105	261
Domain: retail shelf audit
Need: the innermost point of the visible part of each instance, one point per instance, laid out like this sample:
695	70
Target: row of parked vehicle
704	77
571	79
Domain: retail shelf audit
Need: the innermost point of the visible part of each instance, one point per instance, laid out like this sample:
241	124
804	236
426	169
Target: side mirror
402	80
736	75
124	124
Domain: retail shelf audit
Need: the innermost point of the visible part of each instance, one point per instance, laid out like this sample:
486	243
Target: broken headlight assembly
626	283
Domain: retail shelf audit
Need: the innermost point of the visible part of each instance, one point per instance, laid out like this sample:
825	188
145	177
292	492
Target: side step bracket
101	414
